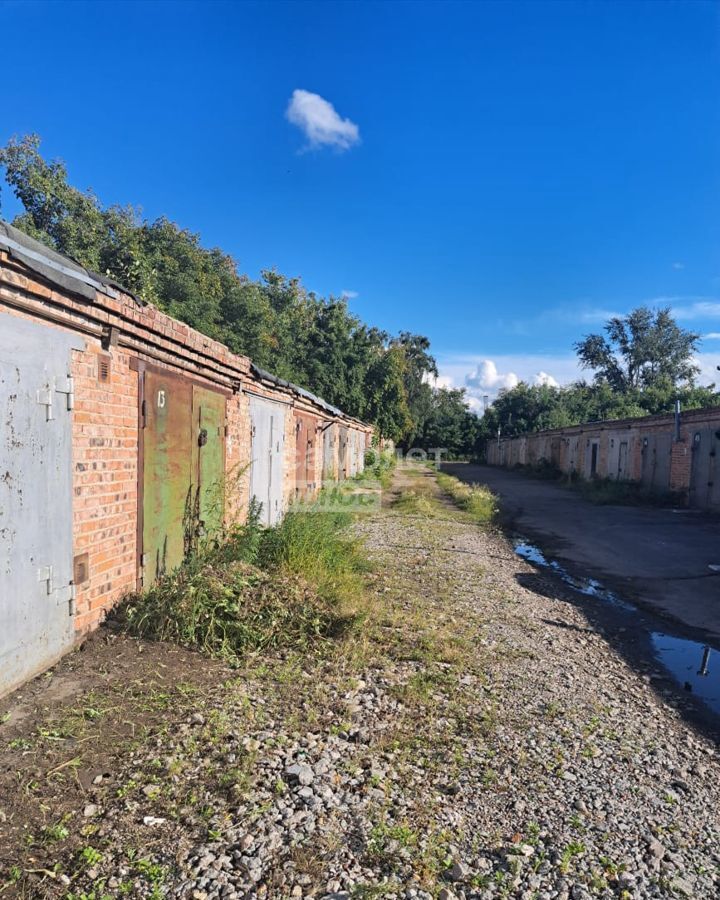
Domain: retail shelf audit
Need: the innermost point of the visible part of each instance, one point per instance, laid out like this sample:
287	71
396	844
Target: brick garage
122	339
655	451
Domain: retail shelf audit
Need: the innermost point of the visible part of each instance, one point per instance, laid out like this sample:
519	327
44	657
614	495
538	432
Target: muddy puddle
693	665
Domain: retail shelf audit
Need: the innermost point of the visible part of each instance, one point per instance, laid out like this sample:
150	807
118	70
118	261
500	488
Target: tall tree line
314	341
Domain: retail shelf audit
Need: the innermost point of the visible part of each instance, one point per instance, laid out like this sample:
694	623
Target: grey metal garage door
705	477
329	452
656	449
36	547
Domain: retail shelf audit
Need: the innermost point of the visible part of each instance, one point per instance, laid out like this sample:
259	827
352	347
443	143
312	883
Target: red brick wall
105	481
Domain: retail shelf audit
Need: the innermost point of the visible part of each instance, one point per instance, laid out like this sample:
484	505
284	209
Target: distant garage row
667	453
126	437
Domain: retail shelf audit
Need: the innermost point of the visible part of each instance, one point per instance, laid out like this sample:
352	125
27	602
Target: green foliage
379	466
313	341
387	403
642	349
643	365
449	424
316	546
536	407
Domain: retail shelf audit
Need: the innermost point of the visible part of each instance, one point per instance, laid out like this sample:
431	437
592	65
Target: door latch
45	398
45	573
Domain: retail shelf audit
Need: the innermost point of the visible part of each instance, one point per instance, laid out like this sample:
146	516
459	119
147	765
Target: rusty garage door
305	440
267	421
36	548
183	455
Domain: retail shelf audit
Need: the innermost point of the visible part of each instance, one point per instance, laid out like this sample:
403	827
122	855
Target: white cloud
708	363
712	336
319	121
349	295
544	378
701	308
486	377
437	381
480	375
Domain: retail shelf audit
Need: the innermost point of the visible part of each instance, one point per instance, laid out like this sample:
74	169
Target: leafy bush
231	609
379	465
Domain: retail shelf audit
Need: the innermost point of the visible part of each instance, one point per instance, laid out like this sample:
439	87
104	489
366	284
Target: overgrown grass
476	500
318	547
284	587
603	491
608	491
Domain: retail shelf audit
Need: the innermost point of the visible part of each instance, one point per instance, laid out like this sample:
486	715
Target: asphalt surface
658	558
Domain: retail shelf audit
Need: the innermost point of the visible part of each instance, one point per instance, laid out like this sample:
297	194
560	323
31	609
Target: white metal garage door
267	420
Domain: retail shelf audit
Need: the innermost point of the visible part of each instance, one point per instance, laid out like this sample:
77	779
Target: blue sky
499	177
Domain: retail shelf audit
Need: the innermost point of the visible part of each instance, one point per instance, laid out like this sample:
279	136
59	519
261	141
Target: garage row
677	453
126	437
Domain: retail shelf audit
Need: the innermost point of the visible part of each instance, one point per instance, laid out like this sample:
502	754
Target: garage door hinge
63	385
71	599
66	386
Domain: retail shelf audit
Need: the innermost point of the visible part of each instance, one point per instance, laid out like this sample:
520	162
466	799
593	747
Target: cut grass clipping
476	500
286	587
416	503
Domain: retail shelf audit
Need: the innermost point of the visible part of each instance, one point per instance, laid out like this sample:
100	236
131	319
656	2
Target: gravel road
479	740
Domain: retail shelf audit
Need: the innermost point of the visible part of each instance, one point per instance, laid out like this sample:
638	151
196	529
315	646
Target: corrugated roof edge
70	275
296	389
57	268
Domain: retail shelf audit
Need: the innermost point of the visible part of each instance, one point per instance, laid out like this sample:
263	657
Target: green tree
643	349
449	424
313	341
420	368
387	395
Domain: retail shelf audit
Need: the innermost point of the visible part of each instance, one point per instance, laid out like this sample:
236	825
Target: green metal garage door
183	463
